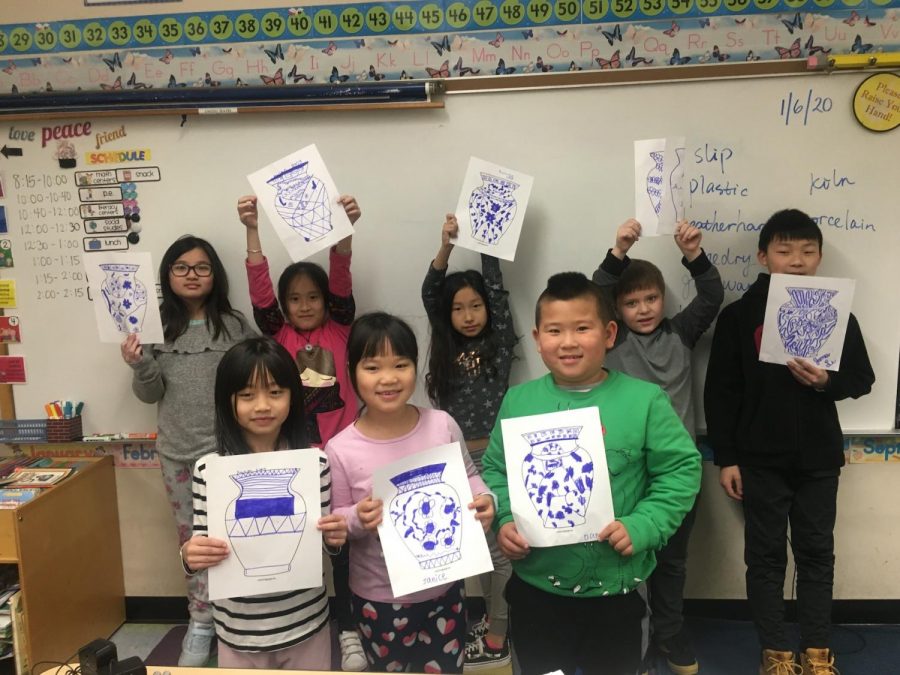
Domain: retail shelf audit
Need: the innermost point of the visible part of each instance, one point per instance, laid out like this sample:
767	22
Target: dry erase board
754	146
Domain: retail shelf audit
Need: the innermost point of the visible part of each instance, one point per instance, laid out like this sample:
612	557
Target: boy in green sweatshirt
583	605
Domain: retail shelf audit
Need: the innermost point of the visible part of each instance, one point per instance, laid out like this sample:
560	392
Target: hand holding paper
483	505
617	535
512	544
334	530
369	512
626	236
687	238
200	552
807	373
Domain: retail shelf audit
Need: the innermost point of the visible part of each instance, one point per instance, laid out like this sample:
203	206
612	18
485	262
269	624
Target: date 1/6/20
798	108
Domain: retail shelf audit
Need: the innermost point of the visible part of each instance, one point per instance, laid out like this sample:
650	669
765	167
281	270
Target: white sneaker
353	658
196	645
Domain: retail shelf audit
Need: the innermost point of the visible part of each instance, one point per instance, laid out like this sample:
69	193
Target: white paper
659	184
806	317
123	288
300	199
558	481
428	534
491	208
266	506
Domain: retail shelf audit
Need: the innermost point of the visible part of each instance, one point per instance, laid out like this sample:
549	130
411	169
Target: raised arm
437	270
266	312
609	271
147	381
691	322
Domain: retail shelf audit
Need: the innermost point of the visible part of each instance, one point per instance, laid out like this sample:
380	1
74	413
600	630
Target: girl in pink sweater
311	318
422	632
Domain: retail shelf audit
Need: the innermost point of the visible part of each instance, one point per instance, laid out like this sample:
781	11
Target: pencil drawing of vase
676	184
426	513
302	201
265	522
655	182
492	207
125	295
806	321
558	476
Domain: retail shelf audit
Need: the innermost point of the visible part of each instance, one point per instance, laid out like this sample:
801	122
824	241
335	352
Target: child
653	348
776	436
259	408
580	605
199	326
472	340
316	310
421	632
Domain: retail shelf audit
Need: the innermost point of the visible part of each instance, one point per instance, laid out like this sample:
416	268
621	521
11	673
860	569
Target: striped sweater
265	623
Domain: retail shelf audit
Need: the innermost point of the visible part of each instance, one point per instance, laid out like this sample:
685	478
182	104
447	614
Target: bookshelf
66	545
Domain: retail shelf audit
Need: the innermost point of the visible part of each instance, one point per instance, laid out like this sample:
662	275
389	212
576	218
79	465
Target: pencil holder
64	430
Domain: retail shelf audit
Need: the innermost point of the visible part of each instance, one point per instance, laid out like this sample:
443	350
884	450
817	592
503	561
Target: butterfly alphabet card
659	184
559	488
265	506
300	199
806	318
428	534
491	208
123	286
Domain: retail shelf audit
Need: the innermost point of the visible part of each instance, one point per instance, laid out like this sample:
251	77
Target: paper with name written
659	184
559	488
123	288
299	197
428	534
491	208
265	505
806	318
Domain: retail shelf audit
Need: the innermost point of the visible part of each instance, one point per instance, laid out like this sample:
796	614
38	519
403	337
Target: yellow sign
7	293
876	103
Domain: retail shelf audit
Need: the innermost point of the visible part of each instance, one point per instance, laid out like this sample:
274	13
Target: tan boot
778	663
818	662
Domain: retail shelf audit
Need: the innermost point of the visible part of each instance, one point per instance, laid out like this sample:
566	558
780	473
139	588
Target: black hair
314	272
372	333
447	342
572	285
174	311
789	225
640	275
256	360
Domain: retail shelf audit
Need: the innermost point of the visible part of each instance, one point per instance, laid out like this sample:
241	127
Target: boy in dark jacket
777	439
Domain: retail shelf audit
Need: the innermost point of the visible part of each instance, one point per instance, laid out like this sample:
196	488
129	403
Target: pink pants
311	654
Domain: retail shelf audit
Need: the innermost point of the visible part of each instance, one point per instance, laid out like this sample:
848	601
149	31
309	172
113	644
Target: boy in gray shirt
658	349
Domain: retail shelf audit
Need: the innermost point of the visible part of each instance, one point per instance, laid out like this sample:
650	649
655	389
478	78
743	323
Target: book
11	498
43	477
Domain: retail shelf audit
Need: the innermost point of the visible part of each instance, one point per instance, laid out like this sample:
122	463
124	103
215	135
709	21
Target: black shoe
679	654
479	630
480	655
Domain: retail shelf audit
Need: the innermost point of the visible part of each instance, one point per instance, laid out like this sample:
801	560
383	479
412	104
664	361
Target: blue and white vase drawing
426	512
655	181
265	522
492	206
559	476
806	321
125	295
302	201
676	184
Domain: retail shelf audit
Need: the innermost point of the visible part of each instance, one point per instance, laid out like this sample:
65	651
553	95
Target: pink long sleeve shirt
354	457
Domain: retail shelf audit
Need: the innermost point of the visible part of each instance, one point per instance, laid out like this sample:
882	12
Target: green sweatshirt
654	472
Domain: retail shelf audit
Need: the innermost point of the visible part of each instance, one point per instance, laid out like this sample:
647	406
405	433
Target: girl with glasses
199	326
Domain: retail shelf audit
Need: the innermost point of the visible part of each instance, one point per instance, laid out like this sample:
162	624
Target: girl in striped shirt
259	408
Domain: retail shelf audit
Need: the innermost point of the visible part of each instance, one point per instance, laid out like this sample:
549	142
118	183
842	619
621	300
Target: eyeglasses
182	269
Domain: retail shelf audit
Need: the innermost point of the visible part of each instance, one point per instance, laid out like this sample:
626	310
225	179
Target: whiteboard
754	146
